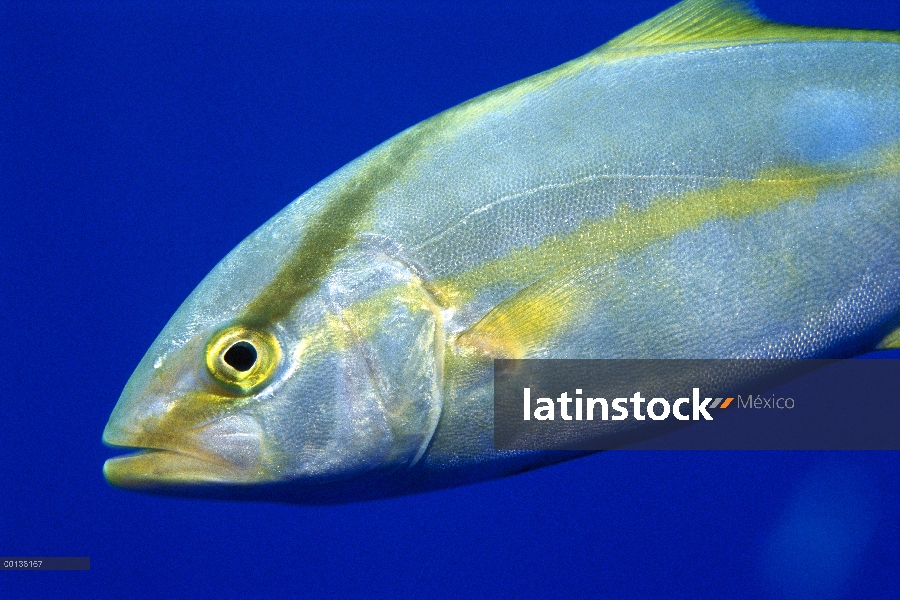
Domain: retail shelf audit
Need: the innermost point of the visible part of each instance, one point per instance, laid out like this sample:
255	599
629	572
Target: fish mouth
226	452
153	467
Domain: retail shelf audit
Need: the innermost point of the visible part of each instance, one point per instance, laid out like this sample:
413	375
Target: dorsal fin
699	24
693	21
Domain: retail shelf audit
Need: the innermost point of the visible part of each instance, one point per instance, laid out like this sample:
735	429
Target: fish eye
241	356
242	359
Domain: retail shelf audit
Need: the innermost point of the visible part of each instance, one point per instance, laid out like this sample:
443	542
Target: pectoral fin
891	341
527	321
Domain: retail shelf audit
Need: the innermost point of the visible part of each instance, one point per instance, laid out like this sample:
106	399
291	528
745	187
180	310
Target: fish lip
161	467
155	463
141	446
139	450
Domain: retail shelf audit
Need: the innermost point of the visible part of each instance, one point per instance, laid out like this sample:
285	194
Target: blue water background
141	141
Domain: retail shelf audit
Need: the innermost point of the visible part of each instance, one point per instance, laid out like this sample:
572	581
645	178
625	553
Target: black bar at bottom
45	563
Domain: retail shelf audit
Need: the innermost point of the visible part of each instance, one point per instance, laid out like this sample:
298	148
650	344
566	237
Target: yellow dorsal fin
693	21
699	24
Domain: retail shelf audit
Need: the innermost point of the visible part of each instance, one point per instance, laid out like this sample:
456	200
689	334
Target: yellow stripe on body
552	270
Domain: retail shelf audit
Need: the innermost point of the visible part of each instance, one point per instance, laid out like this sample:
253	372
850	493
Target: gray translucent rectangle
45	563
721	404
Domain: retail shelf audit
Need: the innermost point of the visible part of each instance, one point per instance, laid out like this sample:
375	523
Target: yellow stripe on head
338	224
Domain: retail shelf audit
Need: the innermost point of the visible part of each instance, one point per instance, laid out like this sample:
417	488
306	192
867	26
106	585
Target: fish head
192	409
291	363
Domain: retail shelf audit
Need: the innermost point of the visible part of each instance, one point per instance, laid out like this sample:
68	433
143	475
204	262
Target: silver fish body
696	197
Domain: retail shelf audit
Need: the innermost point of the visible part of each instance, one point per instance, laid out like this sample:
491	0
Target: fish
708	184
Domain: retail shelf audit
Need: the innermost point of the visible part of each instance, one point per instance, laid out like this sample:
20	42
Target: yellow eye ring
242	359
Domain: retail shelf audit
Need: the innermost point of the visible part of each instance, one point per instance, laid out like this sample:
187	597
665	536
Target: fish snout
228	450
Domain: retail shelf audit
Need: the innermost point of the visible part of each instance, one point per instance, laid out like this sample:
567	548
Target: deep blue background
142	141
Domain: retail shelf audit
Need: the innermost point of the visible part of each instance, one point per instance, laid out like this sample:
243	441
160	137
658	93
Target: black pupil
240	356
